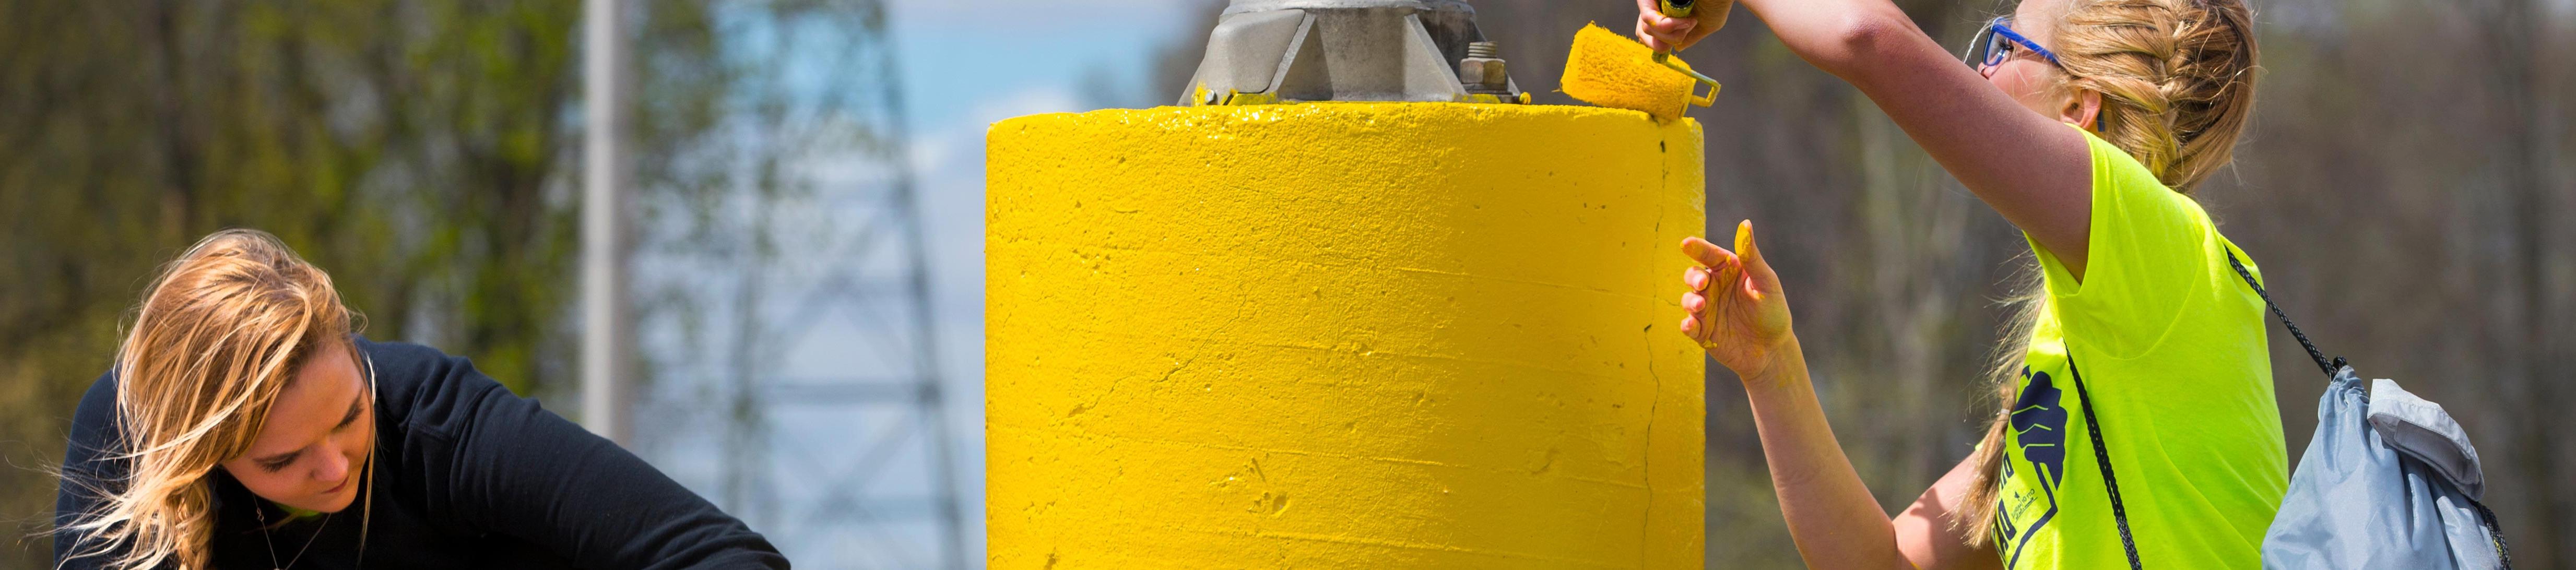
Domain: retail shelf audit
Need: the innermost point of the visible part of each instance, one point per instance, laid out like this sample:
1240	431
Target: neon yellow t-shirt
2169	343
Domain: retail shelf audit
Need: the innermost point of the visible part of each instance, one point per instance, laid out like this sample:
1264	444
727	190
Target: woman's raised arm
2029	167
1739	313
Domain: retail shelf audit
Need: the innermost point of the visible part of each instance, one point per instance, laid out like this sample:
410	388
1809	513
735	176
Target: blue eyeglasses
1996	42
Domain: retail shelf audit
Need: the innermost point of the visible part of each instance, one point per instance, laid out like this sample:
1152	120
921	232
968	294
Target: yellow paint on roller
1607	69
1341	335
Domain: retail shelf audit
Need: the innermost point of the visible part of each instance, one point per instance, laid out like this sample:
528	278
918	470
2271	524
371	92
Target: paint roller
1610	70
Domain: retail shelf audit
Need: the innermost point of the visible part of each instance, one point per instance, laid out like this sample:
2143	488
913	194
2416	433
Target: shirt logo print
2038	423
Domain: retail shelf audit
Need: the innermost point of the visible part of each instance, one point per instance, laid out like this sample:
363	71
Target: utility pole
606	365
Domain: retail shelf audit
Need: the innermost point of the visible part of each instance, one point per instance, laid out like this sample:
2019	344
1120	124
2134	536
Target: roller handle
1708	99
1696	77
1683	9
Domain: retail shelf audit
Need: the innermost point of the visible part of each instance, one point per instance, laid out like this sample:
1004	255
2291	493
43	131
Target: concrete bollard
1342	335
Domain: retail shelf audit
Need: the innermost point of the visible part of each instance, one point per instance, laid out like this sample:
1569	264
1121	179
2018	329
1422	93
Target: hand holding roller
1671	25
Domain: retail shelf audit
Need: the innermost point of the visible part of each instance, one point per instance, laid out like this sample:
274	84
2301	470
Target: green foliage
425	154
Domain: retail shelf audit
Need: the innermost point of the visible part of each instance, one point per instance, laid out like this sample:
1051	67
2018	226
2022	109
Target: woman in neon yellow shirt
2139	428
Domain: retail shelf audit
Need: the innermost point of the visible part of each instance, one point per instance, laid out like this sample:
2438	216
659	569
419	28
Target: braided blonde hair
2177	82
218	336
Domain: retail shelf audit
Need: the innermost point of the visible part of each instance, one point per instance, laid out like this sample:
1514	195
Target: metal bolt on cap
1483	70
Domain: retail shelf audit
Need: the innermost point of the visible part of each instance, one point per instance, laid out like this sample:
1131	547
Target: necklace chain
271	541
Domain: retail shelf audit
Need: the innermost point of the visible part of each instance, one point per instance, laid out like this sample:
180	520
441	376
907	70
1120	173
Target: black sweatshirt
467	475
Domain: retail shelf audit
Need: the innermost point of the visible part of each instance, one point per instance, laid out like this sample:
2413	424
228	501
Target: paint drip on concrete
1342	335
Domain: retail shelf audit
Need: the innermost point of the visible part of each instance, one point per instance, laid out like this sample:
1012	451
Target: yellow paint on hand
1341	335
1607	69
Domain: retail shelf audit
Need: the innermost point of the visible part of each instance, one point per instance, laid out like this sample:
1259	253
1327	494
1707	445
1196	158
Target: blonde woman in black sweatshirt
246	425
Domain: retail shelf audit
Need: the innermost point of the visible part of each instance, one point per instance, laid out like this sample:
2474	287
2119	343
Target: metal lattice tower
859	469
810	401
837	437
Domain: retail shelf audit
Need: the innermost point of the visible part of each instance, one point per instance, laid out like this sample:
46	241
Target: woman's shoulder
2152	256
94	430
388	355
97	404
422	386
406	371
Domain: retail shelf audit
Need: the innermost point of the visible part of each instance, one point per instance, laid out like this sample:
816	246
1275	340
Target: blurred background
806	190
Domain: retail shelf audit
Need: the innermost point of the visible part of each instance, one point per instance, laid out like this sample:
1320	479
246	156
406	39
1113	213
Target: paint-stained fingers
1692	328
1708	254
1750	256
1695	304
1728	284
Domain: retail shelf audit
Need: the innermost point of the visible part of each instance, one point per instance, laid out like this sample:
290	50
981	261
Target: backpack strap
2322	364
2504	554
2102	459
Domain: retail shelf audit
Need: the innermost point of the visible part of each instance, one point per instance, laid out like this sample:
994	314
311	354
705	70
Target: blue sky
966	65
961	61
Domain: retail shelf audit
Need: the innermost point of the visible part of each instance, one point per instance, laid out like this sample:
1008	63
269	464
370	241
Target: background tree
425	153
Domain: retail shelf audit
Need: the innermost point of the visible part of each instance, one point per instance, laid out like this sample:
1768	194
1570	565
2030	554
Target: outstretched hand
1666	33
1738	312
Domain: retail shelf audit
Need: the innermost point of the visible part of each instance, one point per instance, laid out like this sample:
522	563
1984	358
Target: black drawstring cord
2102	459
2504	555
2320	356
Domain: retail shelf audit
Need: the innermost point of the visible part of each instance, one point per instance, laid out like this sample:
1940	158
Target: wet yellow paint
1341	335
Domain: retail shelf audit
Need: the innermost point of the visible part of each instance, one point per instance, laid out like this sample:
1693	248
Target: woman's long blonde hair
218	336
2177	83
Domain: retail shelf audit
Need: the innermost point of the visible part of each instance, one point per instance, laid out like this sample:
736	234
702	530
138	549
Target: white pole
605	328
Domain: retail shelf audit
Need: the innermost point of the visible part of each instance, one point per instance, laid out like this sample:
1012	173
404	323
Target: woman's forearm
1835	521
2028	166
1837	36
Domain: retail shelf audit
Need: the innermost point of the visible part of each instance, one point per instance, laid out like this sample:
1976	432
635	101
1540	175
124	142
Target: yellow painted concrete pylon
1342	335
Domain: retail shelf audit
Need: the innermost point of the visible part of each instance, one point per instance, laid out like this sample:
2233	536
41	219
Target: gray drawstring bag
2389	481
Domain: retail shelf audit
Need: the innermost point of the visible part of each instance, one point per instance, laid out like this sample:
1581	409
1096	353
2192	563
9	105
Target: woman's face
317	438
2027	77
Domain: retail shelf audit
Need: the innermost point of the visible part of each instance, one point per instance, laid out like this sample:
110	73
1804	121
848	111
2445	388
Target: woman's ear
2084	110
